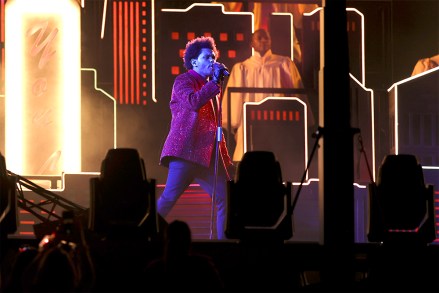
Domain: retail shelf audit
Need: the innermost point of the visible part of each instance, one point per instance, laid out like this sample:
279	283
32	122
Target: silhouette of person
20	262
52	270
180	269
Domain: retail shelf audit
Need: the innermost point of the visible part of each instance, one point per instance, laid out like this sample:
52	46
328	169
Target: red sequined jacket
192	134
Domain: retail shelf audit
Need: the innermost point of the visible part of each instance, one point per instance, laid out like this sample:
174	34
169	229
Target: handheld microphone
224	71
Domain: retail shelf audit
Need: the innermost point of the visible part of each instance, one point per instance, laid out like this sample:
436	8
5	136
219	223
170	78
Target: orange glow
42	86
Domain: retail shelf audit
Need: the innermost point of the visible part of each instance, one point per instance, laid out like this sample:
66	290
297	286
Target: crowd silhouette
130	264
74	258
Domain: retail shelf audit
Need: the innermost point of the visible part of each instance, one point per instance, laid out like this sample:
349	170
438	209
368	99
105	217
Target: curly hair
193	49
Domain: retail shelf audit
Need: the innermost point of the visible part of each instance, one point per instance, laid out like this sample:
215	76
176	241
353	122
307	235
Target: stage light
122	200
259	202
401	204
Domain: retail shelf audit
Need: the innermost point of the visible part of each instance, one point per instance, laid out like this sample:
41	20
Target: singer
189	151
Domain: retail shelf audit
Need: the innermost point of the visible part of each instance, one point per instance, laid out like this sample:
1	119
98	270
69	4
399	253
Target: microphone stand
317	135
217	151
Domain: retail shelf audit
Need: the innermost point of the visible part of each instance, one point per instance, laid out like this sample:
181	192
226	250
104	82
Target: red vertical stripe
115	59
120	51
2	40
129	51
137	69
131	45
126	52
2	21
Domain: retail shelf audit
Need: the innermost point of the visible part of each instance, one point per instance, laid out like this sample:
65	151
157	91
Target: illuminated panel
351	28
130	49
220	6
281	114
425	105
222	34
42	86
230	38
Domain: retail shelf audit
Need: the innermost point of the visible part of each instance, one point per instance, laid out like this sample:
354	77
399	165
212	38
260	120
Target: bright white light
42	86
104	18
13	78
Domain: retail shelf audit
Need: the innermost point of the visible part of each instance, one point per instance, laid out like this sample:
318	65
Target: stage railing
50	200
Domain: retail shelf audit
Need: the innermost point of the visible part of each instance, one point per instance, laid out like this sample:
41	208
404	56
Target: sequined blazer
192	133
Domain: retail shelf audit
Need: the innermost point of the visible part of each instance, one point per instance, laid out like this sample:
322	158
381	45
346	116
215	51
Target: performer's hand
219	71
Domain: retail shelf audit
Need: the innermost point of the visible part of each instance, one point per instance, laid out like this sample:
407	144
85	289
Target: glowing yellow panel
43	86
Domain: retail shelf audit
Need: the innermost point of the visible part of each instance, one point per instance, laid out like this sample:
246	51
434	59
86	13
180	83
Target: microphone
224	71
